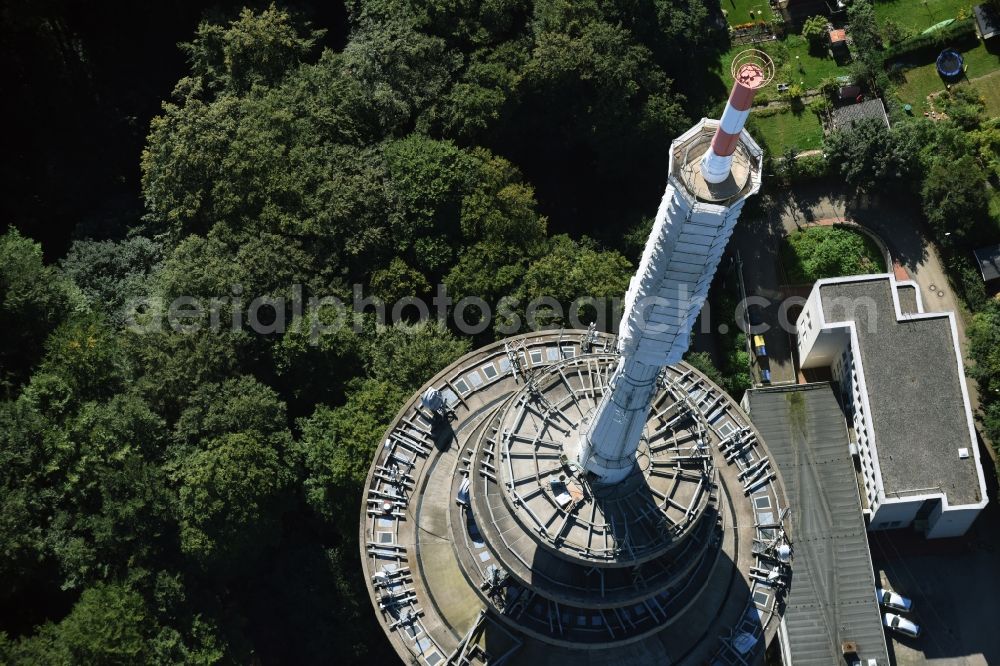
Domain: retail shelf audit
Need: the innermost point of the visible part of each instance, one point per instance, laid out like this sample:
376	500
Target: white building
903	386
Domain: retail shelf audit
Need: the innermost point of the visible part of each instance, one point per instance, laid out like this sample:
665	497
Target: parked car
900	624
891	599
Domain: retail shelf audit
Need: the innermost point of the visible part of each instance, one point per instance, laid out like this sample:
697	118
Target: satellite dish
784	553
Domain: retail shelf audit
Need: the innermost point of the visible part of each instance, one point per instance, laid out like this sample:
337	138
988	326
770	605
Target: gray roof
989	262
832	594
914	381
907	299
844	117
987	21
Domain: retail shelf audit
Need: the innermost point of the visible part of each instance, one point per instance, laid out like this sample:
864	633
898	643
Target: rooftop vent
963	453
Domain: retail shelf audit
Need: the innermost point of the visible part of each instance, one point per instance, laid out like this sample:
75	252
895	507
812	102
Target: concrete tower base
484	542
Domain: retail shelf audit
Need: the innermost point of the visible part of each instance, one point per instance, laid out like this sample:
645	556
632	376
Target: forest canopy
189	493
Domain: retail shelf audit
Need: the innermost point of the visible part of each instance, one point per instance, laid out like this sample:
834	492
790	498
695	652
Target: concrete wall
807	327
950	523
941	523
892	513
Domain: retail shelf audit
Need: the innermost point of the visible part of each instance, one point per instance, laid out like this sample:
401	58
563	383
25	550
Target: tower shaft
661	305
705	194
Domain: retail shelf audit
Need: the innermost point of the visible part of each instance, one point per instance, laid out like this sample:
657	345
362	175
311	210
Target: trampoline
949	64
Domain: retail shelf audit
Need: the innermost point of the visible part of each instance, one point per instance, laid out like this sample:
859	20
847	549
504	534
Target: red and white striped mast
751	70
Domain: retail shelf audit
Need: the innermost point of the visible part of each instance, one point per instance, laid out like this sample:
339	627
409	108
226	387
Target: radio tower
693	225
560	498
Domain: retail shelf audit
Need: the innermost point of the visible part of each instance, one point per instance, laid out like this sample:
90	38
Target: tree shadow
894	220
993	47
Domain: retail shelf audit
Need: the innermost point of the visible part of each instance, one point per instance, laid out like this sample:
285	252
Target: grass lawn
817	252
738	11
918	15
921	81
799	131
808	71
989	88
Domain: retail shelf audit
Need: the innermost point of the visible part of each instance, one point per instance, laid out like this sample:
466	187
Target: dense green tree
337	446
169	366
401	69
965	107
871	156
257	48
864	26
112	624
866	41
33	300
280	157
465	25
112	274
814	29
593	84
90	494
315	359
984	349
893	33
252	164
955	199
702	361
27	439
231	499
987	141
474	108
991	420
488	270
427	179
236	269
112	509
108	625
824	252
502	229
572	272
938	141
684	30
500	207
397	282
411	355
84	357
235	405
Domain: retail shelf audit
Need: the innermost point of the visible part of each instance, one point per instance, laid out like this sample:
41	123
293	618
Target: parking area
955	588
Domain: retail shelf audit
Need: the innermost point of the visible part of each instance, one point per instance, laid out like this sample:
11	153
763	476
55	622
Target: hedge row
955	34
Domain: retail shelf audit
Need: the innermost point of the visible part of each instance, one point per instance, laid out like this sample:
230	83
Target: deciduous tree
34	299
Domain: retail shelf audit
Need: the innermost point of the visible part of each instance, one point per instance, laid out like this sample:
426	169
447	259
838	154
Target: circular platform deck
482	540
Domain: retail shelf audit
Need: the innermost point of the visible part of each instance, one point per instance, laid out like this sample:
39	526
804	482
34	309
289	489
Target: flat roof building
902	382
831	600
988	259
